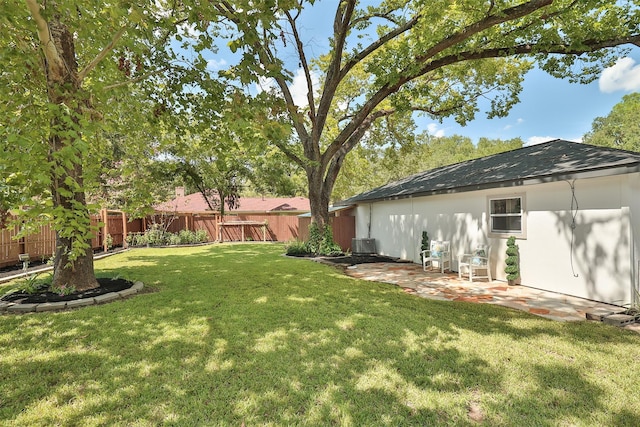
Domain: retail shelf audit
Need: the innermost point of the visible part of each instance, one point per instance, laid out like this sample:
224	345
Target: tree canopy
77	79
436	58
620	128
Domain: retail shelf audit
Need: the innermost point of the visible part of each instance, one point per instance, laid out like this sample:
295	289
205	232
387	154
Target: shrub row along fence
115	227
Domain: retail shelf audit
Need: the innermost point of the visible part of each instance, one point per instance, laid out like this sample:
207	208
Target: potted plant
513	262
424	245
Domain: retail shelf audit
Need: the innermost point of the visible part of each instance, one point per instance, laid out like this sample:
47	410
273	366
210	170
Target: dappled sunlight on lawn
383	378
304	300
280	341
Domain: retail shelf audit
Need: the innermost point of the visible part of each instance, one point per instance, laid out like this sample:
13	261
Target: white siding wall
633	197
598	264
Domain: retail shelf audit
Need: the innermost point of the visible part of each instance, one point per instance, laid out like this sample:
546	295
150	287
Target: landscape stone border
17	308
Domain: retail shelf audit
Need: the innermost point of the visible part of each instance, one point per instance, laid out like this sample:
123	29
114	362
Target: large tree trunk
66	164
78	274
318	197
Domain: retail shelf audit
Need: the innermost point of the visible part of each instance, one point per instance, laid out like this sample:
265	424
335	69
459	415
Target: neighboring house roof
555	160
196	203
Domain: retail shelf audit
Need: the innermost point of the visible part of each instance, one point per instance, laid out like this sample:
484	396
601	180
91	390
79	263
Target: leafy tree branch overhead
437	58
75	74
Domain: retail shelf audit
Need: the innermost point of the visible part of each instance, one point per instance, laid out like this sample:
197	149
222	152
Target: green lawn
234	334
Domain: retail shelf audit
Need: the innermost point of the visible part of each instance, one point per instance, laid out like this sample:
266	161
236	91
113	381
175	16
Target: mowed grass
238	334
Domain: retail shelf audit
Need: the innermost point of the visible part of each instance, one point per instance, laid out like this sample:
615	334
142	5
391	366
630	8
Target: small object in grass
24	258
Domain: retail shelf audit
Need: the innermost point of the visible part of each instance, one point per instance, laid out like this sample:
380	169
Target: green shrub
173	239
328	246
141	240
322	243
33	285
109	241
424	244
158	237
315	238
185	237
201	235
512	269
63	289
297	247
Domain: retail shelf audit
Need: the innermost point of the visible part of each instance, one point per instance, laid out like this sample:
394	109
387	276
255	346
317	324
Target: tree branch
304	63
489	21
267	59
344	12
376	45
501	52
338	157
135	80
365	18
48	46
103	53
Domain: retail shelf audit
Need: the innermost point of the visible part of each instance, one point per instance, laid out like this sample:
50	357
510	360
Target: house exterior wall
633	197
589	251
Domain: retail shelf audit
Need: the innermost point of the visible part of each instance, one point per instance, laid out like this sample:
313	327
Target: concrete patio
448	287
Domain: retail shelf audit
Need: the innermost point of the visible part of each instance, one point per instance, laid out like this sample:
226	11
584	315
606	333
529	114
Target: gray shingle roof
547	162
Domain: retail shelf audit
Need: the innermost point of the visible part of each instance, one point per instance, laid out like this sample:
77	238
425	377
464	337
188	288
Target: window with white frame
507	215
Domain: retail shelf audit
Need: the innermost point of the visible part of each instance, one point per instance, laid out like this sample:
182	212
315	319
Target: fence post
105	228
124	230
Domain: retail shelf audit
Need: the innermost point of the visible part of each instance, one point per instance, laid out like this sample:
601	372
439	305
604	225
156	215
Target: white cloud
518	122
434	129
265	84
190	30
624	75
298	86
215	64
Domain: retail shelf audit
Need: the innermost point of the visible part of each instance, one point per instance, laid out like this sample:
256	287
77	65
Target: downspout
369	223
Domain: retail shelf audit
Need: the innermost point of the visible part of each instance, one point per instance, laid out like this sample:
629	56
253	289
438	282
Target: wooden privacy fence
343	228
258	227
235	228
41	245
116	226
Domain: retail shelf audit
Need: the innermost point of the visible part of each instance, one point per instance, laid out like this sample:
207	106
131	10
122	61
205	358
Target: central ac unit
363	246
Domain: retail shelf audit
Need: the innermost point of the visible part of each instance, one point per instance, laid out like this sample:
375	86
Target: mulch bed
106	285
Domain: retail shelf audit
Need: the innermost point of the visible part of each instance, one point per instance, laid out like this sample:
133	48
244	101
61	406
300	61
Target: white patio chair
479	260
439	252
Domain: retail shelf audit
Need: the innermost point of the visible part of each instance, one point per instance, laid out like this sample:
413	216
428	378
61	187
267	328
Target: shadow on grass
240	334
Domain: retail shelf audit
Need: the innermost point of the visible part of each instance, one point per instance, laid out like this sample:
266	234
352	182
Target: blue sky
552	108
549	108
